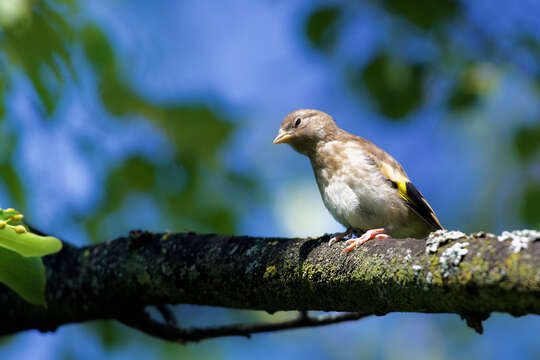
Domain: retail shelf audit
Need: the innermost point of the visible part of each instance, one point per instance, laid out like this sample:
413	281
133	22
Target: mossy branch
468	275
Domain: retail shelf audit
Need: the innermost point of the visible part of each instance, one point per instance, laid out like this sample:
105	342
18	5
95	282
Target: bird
363	187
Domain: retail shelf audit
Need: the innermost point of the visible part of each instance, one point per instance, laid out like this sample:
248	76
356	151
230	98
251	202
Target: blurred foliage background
160	115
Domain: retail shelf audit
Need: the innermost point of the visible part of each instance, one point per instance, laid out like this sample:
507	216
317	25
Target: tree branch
114	279
147	325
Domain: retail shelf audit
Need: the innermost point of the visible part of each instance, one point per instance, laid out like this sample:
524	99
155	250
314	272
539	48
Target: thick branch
114	279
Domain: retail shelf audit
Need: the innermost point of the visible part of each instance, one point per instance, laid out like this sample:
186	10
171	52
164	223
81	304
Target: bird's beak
282	137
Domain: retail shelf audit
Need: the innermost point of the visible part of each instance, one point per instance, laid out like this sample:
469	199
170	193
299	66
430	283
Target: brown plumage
363	187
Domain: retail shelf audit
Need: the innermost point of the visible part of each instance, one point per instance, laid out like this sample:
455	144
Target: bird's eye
298	121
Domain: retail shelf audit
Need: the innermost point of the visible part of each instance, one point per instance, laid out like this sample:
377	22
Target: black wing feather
418	203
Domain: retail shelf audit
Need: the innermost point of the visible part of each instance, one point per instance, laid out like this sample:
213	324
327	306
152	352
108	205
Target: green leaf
2	81
462	97
28	244
425	14
396	86
98	48
24	275
41	40
10	177
527	142
475	81
110	334
530	206
321	27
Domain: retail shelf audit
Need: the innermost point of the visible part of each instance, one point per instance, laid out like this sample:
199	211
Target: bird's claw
368	235
340	236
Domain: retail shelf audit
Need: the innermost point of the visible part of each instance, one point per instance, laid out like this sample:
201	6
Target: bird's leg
368	235
340	236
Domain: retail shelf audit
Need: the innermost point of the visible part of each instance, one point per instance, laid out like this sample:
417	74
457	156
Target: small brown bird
363	187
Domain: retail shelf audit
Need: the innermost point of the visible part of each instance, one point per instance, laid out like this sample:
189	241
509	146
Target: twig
167	315
142	322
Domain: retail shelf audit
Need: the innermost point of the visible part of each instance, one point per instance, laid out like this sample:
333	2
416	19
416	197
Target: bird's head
304	129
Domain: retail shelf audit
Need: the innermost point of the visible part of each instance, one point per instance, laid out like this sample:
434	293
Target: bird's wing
391	169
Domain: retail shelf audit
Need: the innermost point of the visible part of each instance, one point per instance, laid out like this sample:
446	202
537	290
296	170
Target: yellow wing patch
393	174
402	188
397	178
410	194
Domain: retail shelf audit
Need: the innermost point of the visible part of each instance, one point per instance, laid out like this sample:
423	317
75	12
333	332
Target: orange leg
340	236
368	235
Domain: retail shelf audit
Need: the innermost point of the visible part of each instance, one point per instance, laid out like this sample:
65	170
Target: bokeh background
117	115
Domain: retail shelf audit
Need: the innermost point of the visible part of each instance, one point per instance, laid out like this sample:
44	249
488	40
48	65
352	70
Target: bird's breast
353	189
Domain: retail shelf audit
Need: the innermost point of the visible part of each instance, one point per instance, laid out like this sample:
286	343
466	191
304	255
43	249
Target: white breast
353	189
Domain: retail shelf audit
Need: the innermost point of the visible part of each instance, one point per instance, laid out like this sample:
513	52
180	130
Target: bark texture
111	279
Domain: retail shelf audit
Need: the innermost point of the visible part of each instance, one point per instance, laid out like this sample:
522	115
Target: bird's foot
368	235
340	236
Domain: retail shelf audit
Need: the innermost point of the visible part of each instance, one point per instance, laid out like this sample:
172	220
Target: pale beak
282	137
